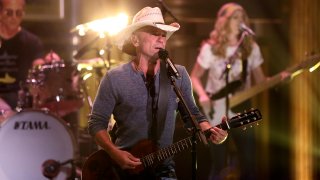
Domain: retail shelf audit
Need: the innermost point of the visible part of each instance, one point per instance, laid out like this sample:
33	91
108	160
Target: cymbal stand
108	48
85	91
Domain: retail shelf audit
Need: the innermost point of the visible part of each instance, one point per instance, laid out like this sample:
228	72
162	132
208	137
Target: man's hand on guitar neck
218	135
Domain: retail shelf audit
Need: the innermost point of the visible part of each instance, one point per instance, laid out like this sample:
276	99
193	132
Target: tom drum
55	86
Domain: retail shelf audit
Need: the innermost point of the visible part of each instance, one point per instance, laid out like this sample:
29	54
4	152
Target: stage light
109	26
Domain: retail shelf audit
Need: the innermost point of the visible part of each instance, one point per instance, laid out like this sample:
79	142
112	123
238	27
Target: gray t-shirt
123	93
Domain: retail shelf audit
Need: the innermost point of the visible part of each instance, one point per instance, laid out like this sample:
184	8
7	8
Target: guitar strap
244	70
157	106
246	104
160	108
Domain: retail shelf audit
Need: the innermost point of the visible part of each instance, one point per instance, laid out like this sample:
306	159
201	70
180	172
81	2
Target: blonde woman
227	45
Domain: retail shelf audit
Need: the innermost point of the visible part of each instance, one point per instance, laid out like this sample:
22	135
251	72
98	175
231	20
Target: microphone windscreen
163	54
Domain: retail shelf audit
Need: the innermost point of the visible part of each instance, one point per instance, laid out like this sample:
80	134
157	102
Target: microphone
245	28
163	54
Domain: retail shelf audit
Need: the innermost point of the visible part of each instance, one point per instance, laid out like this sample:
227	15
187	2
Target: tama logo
31	125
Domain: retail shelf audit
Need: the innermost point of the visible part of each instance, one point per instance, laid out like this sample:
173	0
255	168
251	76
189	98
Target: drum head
28	139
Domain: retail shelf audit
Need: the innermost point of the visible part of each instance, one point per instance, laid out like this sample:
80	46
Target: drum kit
36	142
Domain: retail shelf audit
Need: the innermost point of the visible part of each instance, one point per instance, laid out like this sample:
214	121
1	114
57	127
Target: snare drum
55	86
28	139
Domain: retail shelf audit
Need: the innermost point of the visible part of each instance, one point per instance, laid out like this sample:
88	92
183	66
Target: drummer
49	58
19	48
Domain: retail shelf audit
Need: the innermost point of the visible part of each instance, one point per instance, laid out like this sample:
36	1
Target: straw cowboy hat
145	17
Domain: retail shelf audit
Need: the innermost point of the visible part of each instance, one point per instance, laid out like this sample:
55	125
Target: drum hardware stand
98	71
85	91
51	168
108	47
25	99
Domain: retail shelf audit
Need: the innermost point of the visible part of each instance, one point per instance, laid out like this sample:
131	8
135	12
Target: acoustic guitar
100	165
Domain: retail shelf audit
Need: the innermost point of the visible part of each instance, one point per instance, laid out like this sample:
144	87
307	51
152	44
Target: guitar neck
240	97
180	146
294	70
184	144
163	154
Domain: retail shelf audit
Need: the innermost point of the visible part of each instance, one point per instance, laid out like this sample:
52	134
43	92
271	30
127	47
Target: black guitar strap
234	85
160	108
157	106
244	70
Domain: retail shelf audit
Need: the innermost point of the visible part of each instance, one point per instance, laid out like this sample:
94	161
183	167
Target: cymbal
90	61
94	63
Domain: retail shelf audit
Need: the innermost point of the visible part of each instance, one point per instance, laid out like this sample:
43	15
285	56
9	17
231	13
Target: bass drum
33	144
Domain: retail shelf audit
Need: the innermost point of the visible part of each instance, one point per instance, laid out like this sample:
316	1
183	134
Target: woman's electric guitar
100	165
218	109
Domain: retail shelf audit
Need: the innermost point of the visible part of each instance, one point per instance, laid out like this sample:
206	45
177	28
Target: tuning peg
244	128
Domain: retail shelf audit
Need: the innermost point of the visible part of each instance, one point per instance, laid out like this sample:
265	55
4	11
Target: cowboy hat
145	17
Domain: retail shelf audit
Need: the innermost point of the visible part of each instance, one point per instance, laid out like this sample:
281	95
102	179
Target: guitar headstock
310	61
242	119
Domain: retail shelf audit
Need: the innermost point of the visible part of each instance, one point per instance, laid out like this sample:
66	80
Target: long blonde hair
219	35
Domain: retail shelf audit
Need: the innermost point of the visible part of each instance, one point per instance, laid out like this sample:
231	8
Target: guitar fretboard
184	144
167	152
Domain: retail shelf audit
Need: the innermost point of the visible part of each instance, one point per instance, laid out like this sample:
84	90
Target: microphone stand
196	131
229	64
185	112
165	9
